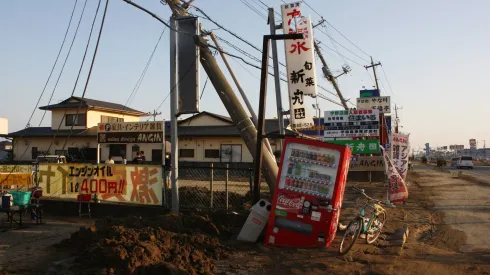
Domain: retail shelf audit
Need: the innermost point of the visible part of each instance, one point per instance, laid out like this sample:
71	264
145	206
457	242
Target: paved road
477	170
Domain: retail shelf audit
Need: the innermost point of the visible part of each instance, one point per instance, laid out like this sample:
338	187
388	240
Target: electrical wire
54	65
315	11
321	45
347	49
143	73
389	84
64	63
90	71
256	11
44	89
79	71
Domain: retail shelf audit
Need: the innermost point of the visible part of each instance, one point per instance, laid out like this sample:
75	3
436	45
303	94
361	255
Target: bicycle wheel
351	234
376	228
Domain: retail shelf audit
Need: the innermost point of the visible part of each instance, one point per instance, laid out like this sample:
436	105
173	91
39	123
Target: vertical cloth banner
398	191
400	150
300	64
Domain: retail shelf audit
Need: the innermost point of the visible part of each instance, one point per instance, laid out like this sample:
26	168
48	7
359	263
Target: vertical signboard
187	65
398	191
400	150
300	64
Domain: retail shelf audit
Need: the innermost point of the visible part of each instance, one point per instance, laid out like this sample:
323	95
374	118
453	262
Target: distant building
5	145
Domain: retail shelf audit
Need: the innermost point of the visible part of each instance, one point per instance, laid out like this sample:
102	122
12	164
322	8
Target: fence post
211	186
250	181
226	185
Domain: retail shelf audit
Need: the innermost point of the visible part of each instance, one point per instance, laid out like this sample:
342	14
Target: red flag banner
398	191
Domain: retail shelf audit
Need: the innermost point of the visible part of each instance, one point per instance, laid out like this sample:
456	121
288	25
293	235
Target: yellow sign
7	169
116	183
20	180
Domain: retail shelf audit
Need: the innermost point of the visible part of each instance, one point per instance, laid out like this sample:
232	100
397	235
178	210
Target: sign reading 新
360	147
116	183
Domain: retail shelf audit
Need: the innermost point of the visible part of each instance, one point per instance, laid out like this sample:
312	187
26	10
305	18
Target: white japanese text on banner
400	150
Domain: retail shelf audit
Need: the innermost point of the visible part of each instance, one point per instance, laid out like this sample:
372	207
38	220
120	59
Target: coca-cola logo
289	202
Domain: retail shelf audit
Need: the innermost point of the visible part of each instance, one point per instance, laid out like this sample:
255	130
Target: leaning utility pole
373	65
277	79
328	75
236	111
174	140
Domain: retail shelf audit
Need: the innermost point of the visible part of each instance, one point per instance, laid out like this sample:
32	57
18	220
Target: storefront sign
17	180
359	147
130	137
473	143
300	64
115	183
456	147
380	103
400	150
398	191
353	123
367	164
135	127
7	169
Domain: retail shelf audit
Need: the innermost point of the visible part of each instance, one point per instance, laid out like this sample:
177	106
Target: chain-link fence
212	187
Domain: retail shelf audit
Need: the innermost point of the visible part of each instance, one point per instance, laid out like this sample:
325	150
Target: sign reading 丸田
300	64
353	123
360	147
380	103
116	183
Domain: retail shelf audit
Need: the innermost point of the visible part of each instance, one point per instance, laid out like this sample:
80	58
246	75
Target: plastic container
21	197
7	201
256	221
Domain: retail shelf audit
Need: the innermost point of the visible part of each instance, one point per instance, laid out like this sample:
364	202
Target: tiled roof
95	104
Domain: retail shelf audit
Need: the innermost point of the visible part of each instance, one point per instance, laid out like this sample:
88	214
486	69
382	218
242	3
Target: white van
466	162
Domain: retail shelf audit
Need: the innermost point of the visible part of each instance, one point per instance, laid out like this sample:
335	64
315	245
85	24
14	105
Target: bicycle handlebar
368	197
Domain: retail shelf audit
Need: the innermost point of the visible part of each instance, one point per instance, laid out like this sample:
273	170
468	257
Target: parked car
454	162
51	159
465	162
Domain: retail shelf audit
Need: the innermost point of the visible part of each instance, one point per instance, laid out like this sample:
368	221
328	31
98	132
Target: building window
211	153
117	150
76	120
34	152
111	119
231	153
186	153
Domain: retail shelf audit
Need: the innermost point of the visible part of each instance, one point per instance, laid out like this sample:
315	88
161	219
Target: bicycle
369	221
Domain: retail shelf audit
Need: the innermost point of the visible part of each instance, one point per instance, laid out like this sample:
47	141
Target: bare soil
197	242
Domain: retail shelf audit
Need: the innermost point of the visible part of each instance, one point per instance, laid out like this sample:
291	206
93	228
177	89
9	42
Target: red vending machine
308	194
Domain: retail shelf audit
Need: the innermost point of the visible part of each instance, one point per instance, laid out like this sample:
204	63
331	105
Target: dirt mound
166	244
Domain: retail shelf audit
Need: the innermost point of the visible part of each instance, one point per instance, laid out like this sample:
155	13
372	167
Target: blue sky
435	54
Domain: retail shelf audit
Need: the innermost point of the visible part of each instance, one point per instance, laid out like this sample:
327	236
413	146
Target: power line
54	65
314	10
143	73
355	62
389	84
342	45
90	70
64	63
44	88
256	11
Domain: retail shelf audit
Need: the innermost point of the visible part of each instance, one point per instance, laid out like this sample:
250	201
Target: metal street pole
277	79
262	100
174	141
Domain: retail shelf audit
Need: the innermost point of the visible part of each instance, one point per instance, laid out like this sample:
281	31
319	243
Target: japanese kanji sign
400	148
381	103
353	123
300	64
360	147
130	137
398	191
128	127
115	183
7	169
16	180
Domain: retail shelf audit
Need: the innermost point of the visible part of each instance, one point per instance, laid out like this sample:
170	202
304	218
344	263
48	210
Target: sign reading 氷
131	132
380	103
359	147
114	183
353	123
300	64
400	150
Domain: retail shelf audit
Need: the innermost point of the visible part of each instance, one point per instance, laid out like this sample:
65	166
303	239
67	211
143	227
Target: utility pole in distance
154	114
373	65
397	120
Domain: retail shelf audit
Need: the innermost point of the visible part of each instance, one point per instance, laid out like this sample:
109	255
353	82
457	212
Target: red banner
398	191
